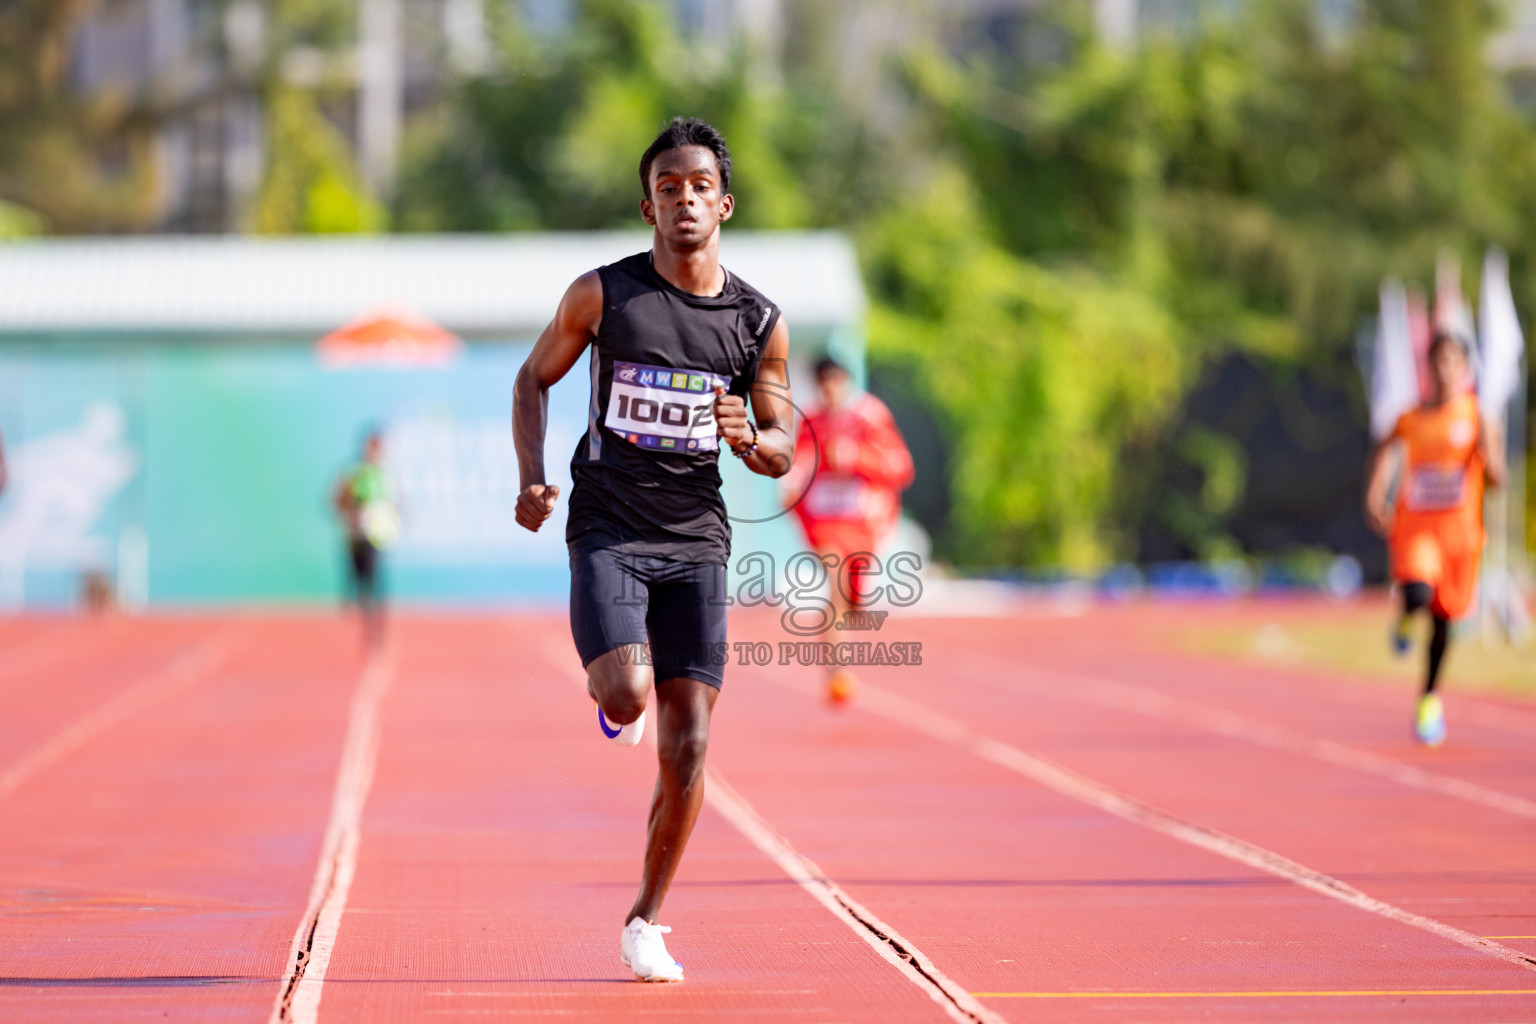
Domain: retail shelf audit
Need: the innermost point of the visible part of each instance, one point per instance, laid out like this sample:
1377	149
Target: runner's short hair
826	365
687	131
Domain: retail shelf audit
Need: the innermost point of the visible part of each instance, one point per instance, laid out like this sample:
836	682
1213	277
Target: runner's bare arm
553	355
772	407
341	497
1384	463
1490	444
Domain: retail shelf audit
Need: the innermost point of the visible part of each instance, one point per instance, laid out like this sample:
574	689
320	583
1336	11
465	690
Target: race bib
835	497
1435	488
663	409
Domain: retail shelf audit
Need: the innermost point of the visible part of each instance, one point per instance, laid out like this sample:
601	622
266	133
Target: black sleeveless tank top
647	478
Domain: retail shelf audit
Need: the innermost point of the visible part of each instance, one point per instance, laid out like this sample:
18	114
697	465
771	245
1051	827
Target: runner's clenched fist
536	504
731	424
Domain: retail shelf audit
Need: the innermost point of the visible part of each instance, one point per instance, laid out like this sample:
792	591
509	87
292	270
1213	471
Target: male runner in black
678	344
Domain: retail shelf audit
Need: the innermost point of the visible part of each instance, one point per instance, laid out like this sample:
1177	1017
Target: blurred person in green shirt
365	506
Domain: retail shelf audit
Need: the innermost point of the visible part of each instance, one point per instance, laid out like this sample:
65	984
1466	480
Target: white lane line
184	671
899	952
298	1000
887	943
1089	689
1068	783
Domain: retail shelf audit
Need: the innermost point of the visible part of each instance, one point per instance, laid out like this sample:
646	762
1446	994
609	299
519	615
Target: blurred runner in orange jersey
1440	455
851	466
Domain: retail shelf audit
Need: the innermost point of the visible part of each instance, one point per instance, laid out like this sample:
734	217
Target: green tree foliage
68	163
1257	167
74	161
311	183
1250	181
1058	238
1042	374
552	139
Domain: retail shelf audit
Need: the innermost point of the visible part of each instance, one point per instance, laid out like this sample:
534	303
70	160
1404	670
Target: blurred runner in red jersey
851	466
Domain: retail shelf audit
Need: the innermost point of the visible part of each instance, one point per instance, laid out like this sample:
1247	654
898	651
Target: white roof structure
474	285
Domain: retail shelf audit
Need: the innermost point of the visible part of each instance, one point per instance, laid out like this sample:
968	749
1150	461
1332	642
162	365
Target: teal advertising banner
193	474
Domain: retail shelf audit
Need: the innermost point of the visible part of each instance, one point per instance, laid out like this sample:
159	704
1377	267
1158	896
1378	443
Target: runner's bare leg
620	682
683	708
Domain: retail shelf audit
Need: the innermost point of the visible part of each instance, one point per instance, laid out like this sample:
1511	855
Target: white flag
1394	377
1501	341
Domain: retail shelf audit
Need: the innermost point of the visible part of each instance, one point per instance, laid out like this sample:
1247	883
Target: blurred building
1516	48
177	57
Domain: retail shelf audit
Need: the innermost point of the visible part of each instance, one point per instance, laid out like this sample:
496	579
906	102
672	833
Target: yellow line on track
1260	995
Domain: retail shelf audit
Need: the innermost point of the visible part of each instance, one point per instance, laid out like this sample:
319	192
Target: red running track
1060	819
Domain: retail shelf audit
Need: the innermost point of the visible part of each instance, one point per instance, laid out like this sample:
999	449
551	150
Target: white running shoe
643	951
623	735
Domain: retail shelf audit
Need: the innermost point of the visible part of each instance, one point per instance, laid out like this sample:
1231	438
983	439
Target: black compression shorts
676	607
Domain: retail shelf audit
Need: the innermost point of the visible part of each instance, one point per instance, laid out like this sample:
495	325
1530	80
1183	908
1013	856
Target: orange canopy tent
392	337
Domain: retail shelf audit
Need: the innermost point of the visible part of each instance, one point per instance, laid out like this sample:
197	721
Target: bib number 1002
673	414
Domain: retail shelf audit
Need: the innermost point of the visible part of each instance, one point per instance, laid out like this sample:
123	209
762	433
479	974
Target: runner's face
833	389
1448	368
687	203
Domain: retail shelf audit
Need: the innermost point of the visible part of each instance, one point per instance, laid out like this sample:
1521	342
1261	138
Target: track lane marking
1108	693
959	1005
882	938
1279	993
309	955
183	671
1096	794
